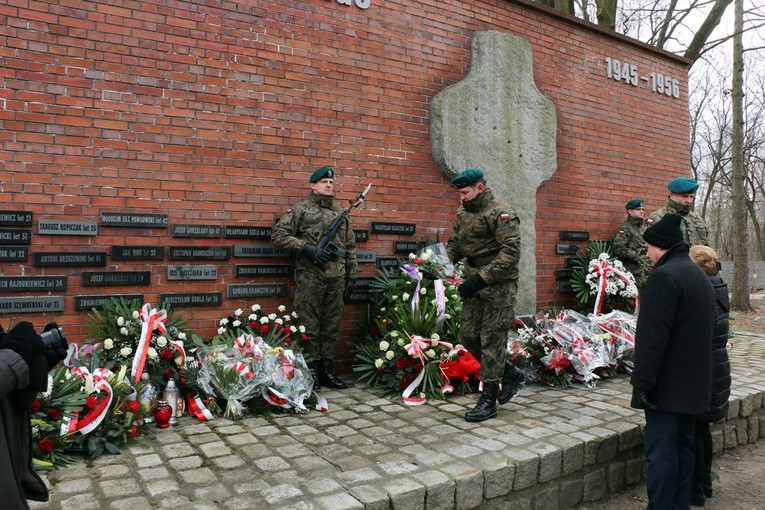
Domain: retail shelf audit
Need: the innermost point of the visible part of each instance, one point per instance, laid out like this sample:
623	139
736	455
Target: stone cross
495	119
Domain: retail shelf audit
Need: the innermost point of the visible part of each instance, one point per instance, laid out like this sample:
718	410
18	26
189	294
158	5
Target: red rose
305	337
400	363
133	430
166	354
131	406
54	414
168	373
46	445
417	260
264	329
374	330
34	406
91	402
288	340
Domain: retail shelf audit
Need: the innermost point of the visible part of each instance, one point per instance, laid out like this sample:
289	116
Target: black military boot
511	379
487	405
315	369
328	377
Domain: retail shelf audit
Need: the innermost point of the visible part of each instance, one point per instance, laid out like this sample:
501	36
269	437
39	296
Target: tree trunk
607	13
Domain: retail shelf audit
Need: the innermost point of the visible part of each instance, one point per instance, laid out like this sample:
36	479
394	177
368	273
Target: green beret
467	178
634	203
683	185
324	172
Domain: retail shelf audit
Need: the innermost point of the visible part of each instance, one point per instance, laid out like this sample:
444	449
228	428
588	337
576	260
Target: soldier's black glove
54	354
647	404
315	254
350	283
469	287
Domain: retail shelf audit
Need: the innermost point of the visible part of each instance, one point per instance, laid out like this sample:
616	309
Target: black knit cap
666	232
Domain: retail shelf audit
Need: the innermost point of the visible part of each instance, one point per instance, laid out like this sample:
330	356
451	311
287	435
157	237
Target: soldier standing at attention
486	234
628	245
324	280
680	201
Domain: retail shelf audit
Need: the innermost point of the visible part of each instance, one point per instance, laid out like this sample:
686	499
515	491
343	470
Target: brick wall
215	113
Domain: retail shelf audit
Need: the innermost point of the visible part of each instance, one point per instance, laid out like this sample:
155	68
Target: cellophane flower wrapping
291	381
434	262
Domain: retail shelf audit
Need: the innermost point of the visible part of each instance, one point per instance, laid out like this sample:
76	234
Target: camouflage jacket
629	247
693	227
486	233
305	223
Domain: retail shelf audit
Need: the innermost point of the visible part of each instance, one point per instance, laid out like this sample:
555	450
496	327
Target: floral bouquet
434	263
275	329
601	284
291	381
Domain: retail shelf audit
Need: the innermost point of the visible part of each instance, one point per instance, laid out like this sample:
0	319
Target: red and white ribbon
198	409
416	349
603	268
243	369
151	319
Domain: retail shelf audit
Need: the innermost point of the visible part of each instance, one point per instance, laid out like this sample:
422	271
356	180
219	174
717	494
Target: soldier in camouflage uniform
486	235
628	244
680	201
324	280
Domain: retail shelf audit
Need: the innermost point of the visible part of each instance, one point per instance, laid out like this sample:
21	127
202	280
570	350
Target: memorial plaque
14	253
389	262
192	299
198	253
31	304
571	235
566	249
89	302
243	232
32	283
573	262
259	250
196	231
257	290
379	227
111	278
563	274
67	228
361	291
242	271
192	272
13	236
50	259
16	218
407	246
362	236
138	252
565	287
366	256
115	219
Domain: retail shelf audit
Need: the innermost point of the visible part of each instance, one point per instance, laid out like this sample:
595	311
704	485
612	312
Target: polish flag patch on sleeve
504	216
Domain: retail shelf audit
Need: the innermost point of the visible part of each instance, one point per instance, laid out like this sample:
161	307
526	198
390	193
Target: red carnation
168	373
91	402
131	406
166	354
305	337
34	406
278	326
54	414
254	325
133	430
288	340
264	329
46	445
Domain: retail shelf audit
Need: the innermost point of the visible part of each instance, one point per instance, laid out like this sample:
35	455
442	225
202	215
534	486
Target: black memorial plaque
572	235
566	249
138	252
198	253
192	272
14	253
192	299
361	292
362	236
196	231
31	304
366	256
16	218
113	278
32	283
573	262
565	287
14	236
256	290
380	227
89	302
67	228
259	250
407	246
563	274
115	219
51	259
244	232
389	262
244	271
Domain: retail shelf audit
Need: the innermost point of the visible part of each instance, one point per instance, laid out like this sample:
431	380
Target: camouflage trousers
319	304
484	325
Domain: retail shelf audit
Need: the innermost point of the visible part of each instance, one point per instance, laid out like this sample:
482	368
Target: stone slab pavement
548	448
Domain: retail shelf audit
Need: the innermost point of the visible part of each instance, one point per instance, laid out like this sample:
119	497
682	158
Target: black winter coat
673	342
721	378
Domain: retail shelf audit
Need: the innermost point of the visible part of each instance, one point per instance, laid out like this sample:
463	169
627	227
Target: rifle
325	243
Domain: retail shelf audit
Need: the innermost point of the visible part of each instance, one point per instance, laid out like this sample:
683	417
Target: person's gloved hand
54	355
469	287
24	341
350	283
647	404
315	254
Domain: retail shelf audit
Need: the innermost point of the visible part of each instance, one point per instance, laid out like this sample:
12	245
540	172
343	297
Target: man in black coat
673	362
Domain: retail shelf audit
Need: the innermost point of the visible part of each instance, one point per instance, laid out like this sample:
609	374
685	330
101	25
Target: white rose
405	296
152	353
379	363
178	360
181	336
120	321
393	298
238	312
412	256
430	353
108	343
435	336
302	329
124	331
236	323
161	341
126	351
394	334
447	316
221	331
281	308
401	342
136	314
255	308
384	345
423	291
389	355
223	322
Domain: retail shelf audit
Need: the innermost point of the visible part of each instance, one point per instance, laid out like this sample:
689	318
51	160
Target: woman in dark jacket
706	259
